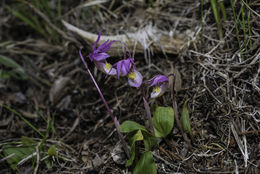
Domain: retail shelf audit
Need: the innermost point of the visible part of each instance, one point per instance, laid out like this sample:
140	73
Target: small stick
148	113
116	123
175	108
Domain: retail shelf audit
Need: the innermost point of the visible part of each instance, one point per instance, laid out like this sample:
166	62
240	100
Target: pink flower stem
116	122
148	113
175	108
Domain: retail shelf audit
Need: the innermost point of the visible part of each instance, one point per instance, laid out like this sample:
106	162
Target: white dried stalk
149	38
240	145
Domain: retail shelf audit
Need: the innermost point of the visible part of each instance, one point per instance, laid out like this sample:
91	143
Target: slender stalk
248	24
214	6
201	20
148	113
116	123
236	21
176	113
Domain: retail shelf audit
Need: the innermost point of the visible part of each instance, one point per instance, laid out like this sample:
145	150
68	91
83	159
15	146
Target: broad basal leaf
26	141
130	126
149	140
185	119
146	164
138	136
163	120
8	62
17	154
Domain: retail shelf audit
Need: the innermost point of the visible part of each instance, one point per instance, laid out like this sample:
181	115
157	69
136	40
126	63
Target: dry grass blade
250	8
240	144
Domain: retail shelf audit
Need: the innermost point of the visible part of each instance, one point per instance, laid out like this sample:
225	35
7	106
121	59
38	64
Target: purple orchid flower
160	83
124	66
99	54
135	79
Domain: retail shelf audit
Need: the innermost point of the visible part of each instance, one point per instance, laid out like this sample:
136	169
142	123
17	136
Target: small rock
97	161
118	155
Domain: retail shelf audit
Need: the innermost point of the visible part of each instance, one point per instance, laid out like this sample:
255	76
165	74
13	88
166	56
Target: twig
250	8
37	158
240	145
75	124
175	108
148	112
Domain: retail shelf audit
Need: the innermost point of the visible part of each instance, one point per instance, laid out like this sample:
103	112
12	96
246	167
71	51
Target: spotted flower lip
105	67
124	66
99	53
157	80
135	79
159	90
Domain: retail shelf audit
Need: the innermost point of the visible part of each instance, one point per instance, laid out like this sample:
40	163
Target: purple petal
137	81
95	44
102	46
109	45
157	79
100	56
128	65
106	47
91	56
118	68
124	69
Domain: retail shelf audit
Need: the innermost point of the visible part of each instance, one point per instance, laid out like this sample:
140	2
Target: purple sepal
157	79
99	54
124	66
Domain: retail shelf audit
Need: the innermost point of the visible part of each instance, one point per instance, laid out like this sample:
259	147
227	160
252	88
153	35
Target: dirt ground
220	77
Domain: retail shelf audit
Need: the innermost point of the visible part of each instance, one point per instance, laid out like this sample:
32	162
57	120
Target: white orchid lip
159	90
135	79
109	69
105	67
156	92
160	85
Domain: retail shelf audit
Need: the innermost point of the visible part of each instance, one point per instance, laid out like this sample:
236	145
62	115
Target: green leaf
138	136
146	164
17	154
26	141
52	151
163	120
24	119
8	62
149	140
185	119
130	126
49	126
4	74
16	72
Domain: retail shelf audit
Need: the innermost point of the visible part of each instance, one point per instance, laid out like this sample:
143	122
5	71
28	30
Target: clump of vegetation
162	122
